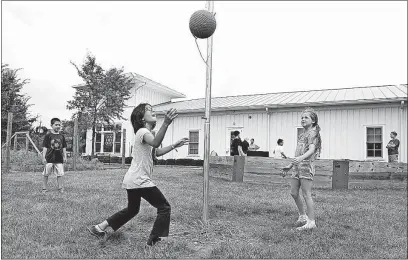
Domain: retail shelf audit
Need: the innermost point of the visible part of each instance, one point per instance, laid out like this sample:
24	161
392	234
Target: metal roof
357	95
173	93
153	84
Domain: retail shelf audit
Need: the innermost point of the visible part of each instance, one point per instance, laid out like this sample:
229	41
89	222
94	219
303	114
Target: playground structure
28	145
22	141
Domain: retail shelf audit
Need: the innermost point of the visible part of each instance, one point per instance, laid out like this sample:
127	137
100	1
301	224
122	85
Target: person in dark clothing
392	147
237	145
54	155
245	145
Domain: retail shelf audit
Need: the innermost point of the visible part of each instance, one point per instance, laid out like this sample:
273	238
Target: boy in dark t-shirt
54	154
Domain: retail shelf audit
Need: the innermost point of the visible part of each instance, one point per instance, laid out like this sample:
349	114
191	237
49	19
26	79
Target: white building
355	122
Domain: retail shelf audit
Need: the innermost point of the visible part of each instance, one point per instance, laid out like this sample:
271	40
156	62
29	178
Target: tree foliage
12	100
101	98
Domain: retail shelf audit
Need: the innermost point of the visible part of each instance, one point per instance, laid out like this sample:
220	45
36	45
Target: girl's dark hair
279	141
136	118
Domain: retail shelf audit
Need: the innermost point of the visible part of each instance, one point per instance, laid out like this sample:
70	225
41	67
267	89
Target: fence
23	141
329	173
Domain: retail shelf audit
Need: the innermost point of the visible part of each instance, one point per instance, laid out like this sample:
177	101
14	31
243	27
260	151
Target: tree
68	131
102	96
12	100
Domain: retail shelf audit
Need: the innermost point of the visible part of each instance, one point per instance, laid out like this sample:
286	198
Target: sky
258	47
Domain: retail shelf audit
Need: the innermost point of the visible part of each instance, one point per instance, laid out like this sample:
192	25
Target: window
118	142
193	143
107	127
108	143
374	142
108	138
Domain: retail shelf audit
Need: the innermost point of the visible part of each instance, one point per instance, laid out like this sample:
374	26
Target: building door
230	137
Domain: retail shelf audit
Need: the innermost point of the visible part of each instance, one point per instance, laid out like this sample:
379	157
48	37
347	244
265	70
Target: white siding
254	127
143	95
343	129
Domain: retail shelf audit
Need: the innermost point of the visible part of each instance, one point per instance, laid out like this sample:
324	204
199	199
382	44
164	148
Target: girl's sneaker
302	220
307	226
96	233
153	240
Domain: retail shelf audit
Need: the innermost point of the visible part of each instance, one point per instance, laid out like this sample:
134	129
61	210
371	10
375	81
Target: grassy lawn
247	220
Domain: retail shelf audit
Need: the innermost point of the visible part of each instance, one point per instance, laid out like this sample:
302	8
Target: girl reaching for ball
137	180
307	150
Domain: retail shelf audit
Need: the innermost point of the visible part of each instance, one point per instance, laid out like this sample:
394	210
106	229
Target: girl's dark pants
152	195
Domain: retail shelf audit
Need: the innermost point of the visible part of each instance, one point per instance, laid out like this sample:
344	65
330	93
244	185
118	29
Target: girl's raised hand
181	142
171	114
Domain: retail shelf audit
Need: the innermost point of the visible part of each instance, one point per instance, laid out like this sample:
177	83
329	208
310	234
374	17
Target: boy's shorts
56	168
304	170
393	158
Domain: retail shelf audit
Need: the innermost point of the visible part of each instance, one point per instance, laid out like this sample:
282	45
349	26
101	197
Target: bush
184	162
171	162
23	161
83	164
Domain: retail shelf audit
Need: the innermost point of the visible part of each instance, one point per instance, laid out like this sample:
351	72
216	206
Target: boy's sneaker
44	191
307	226
95	232
153	240
302	220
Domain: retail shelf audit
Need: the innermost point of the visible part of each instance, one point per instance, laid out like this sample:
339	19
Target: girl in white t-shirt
278	152
137	180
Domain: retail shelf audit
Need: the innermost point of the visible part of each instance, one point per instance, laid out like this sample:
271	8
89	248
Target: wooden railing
329	173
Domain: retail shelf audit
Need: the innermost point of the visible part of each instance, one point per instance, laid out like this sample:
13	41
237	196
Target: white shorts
56	168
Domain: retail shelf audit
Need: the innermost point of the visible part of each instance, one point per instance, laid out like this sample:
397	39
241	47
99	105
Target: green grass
246	220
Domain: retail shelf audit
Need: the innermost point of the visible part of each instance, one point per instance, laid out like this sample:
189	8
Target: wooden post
238	170
8	140
27	142
75	144
38	151
340	174
123	147
15	142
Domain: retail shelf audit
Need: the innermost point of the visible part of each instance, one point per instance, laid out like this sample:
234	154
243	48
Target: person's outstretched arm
155	141
164	150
